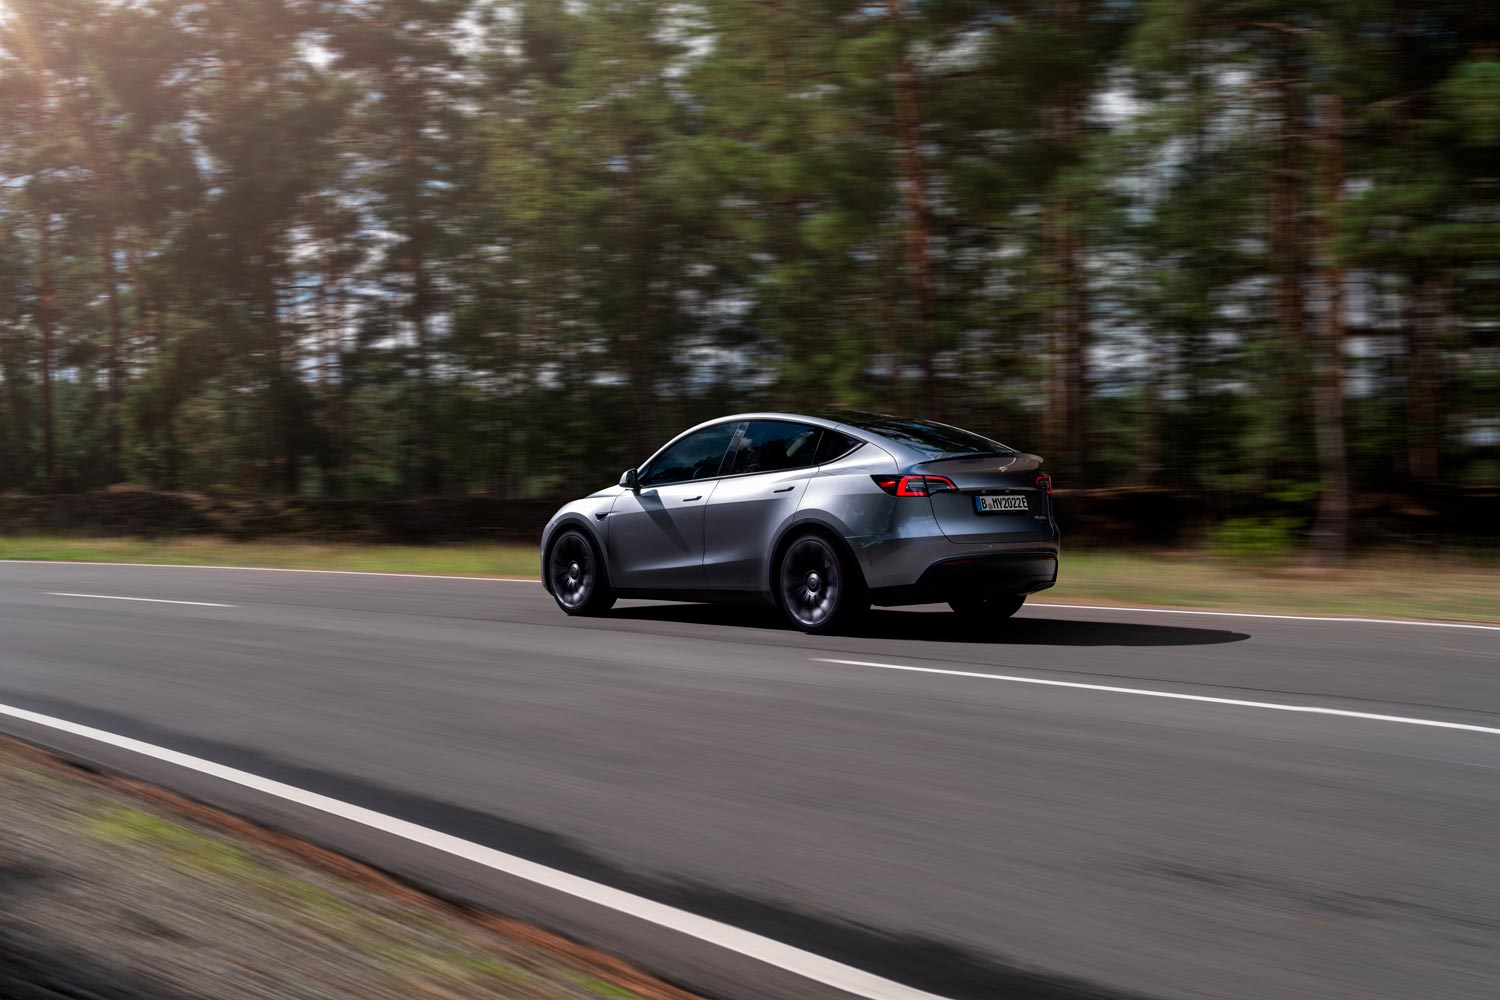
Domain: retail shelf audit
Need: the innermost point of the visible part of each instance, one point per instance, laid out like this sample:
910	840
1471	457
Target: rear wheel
817	588
576	577
993	607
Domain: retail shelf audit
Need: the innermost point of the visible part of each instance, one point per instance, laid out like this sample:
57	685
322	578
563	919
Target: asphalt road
973	837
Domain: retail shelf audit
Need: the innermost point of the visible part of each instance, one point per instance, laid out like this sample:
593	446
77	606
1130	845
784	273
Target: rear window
834	445
775	446
926	436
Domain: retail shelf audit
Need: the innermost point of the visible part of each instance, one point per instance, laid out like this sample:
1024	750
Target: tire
817	587
993	608
576	577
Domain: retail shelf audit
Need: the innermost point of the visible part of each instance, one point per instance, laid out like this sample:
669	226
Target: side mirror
630	480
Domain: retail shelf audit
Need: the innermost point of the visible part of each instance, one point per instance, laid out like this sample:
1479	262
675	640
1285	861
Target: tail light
914	486
1044	483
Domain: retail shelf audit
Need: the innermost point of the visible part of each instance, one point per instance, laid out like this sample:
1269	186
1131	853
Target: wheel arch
588	531
809	526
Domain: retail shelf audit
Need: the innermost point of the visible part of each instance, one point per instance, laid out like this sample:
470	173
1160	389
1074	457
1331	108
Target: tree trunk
347	359
281	429
1422	296
114	360
1330	535
326	340
1286	248
1422	379
916	235
643	423
44	318
1150	455
431	474
1065	311
16	470
1071	327
428	465
15	465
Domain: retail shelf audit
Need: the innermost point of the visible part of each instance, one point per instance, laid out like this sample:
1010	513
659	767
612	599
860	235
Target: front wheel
575	576
817	588
981	608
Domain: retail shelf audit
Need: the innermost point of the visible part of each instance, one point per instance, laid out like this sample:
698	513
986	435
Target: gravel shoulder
111	890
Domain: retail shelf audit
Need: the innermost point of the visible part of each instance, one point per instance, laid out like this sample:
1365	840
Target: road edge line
788	958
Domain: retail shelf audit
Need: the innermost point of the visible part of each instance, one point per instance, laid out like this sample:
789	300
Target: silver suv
820	514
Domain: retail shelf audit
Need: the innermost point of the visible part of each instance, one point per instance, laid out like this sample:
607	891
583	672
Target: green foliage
1265	539
185	846
294	246
1471	96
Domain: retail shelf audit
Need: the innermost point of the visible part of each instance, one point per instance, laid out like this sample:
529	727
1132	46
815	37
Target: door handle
691	499
784	489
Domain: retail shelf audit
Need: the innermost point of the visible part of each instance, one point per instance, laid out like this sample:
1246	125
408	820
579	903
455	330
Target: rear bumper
1016	572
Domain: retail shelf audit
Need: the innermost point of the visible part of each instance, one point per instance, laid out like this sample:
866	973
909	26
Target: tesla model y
820	514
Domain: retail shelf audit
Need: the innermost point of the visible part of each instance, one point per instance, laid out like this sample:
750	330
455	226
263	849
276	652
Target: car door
764	482
654	534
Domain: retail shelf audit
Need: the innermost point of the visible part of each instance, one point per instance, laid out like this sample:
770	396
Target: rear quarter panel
878	527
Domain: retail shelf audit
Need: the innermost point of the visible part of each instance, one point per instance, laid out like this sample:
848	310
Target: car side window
834	445
697	456
775	446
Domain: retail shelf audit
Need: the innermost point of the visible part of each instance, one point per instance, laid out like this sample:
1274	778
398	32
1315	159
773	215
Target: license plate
1000	505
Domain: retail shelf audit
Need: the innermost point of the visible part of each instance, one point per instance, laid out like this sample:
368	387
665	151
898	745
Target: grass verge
459	560
1395	585
1379	586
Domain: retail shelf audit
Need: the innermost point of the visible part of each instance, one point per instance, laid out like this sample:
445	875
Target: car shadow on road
885	623
927	963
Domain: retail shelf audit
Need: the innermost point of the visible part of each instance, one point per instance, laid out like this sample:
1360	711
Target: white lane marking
803	963
148	600
537	582
1175	696
1285	618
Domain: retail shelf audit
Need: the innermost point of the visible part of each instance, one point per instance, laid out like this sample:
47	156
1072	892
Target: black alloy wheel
816	591
574	574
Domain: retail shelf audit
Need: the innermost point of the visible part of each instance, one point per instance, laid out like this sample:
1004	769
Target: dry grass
1385	586
459	560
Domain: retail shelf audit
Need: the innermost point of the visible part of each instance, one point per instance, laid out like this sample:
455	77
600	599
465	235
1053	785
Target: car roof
820	418
848	421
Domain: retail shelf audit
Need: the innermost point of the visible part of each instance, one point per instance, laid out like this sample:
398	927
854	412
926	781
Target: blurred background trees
393	247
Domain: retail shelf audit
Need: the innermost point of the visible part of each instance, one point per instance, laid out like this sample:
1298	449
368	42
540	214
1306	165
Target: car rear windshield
926	436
